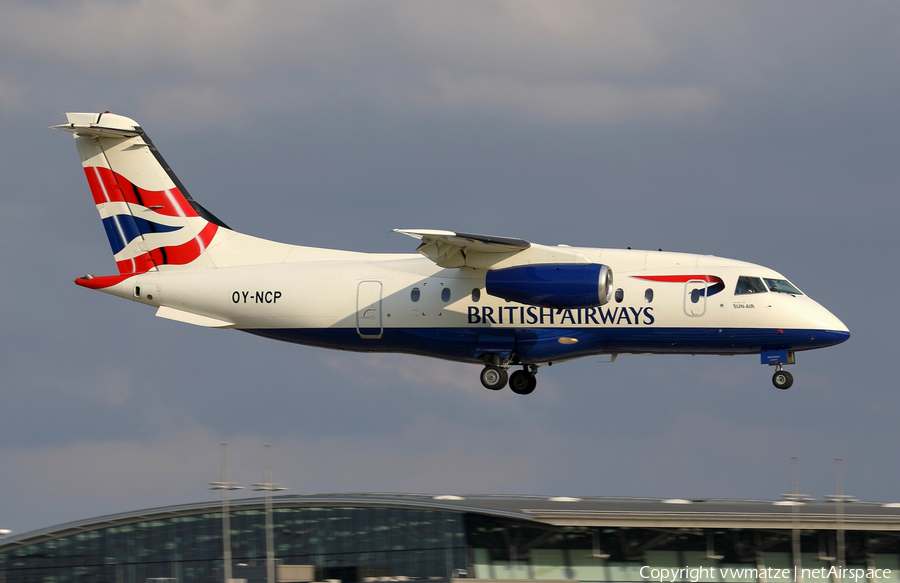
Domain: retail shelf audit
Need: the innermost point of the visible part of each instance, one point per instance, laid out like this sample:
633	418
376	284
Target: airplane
499	302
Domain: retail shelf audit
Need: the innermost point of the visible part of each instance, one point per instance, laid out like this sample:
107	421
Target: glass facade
353	543
343	543
503	549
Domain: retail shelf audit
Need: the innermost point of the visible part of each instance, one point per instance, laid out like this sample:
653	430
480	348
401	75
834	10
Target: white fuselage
367	302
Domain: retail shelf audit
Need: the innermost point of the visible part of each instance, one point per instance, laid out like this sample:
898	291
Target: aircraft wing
451	249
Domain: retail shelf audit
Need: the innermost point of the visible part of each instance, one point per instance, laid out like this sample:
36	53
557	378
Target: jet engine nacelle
554	285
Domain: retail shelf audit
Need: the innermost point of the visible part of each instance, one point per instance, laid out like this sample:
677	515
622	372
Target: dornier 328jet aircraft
495	301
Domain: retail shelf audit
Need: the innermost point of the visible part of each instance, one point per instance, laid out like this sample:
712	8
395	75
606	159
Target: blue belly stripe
542	344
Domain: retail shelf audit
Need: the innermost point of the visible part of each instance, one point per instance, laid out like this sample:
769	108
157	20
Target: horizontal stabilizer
89	125
94	131
191	318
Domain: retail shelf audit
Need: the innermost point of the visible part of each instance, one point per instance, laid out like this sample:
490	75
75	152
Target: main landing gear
521	382
494	376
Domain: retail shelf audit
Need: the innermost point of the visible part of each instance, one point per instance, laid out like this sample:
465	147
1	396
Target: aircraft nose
829	325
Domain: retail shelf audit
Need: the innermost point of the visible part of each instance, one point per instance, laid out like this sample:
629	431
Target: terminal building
373	537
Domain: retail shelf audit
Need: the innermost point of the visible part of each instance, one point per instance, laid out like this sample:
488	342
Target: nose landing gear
782	379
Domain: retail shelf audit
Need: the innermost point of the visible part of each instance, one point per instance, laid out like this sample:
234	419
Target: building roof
558	511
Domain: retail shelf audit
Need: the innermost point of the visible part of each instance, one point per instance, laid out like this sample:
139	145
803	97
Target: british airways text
540	315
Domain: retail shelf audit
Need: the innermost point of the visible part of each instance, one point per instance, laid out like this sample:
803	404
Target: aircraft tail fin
150	219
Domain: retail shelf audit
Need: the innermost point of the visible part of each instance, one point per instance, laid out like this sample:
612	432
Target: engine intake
554	285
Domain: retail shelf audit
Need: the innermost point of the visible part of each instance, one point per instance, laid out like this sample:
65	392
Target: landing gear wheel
522	382
782	379
494	378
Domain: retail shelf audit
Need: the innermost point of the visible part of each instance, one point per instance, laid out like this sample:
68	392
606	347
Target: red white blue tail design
150	219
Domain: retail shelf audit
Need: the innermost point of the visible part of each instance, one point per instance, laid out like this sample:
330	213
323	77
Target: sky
763	131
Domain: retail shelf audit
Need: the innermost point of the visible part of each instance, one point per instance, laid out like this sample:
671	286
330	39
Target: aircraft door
695	297
368	309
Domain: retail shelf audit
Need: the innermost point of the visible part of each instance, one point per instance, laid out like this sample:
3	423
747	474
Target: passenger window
782	286
648	295
414	295
620	295
476	294
749	285
445	294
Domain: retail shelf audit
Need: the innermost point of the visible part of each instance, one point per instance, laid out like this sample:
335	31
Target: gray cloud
134	38
569	102
191	105
13	94
565	61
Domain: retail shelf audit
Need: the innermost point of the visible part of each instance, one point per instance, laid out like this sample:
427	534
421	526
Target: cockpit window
782	286
749	285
